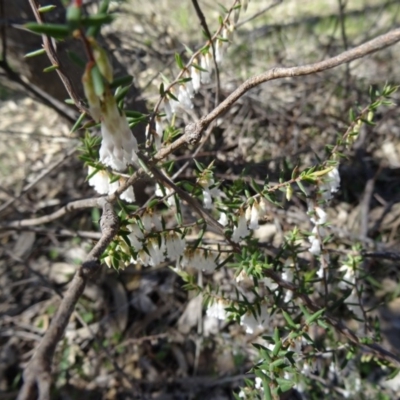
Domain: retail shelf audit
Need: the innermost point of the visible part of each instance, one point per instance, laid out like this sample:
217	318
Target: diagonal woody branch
37	374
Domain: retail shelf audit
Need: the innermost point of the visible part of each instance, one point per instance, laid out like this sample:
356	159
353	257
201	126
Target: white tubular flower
252	323
128	195
167	192
349	278
315	248
143	257
119	146
319	216
150	219
136	236
205	63
254	216
199	260
102	184
100	181
184	98
156	251
223	219
217	310
219	51
205	182
175	245
207	199
287	275
196	78
167	109
240	231
159	132
189	86
269	283
331	184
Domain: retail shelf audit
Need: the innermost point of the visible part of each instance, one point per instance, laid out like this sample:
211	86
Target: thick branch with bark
37	374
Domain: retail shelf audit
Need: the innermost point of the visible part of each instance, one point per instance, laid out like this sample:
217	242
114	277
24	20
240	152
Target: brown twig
37	374
52	55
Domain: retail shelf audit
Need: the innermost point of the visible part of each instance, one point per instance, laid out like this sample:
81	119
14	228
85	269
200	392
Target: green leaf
76	59
162	91
46	9
121	92
121	81
97	20
98	82
78	123
51	68
393	374
57	31
35	53
289	319
312	318
179	61
74	15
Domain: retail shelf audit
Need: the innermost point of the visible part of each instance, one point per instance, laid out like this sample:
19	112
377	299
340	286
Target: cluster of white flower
253	323
202	260
249	219
349	281
197	73
328	185
103	184
217	310
165	191
206	181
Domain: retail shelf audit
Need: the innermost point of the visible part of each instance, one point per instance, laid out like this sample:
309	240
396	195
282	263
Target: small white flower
219	51
207	200
168	192
184	98
136	236
100	181
240	231
319	216
217	310
175	245
167	109
287	275
198	259
189	86
254	216
252	323
223	219
119	146
156	251
330	184
102	184
150	219
128	195
174	103
196	78
269	283
314	239
159	132
349	278
205	63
